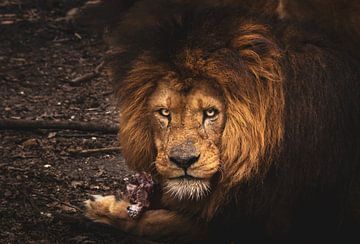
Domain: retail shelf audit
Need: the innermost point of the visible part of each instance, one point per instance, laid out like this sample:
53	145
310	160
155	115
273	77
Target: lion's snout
184	155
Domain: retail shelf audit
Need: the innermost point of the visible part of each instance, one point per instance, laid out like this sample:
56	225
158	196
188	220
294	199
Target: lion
249	124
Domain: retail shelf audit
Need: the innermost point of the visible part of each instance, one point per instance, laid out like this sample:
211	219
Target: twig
17	124
16	169
99	67
95	150
85	77
73	134
88	76
58	201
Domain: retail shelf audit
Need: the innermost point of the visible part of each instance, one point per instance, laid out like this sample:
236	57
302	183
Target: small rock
76	183
30	142
51	135
49	215
94	187
67	209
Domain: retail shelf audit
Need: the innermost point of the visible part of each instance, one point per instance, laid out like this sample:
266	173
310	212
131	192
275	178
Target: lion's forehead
199	96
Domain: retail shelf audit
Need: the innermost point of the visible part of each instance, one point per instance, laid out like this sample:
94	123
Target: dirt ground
42	184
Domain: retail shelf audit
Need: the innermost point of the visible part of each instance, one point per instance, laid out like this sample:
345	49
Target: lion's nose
184	162
184	155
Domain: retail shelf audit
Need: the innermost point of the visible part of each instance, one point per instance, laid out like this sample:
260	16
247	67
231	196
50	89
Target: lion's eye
164	112
211	113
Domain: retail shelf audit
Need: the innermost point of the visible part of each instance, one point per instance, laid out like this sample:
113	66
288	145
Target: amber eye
164	112
210	113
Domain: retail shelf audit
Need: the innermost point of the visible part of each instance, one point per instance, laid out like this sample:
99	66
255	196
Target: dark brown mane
292	98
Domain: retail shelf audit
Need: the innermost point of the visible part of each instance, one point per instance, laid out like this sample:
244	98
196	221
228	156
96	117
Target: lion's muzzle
184	155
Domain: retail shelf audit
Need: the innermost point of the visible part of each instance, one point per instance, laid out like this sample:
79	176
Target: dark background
44	177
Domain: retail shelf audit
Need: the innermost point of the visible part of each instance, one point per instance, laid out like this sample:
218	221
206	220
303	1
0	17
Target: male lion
249	122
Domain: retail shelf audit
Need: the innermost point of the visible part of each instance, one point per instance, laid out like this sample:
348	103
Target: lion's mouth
186	177
187	187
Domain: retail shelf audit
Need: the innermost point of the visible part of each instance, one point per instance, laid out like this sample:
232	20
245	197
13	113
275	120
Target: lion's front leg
153	224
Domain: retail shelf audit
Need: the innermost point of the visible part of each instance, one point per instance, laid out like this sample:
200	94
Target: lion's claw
96	197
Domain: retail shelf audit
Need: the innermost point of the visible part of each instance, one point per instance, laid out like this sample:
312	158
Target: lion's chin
187	189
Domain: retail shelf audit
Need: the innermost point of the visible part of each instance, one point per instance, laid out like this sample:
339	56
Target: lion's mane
292	129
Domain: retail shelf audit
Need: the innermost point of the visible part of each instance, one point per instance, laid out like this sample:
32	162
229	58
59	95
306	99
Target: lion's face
187	127
200	105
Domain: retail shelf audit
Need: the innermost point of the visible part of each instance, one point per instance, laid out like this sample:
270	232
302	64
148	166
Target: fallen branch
95	151
88	76
57	201
17	124
16	169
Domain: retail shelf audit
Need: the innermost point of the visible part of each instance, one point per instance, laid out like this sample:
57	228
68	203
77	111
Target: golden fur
281	147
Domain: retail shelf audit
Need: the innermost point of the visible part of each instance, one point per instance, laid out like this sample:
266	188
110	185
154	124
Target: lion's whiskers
183	189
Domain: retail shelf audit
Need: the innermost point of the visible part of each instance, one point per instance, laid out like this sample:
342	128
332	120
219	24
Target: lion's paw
106	209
